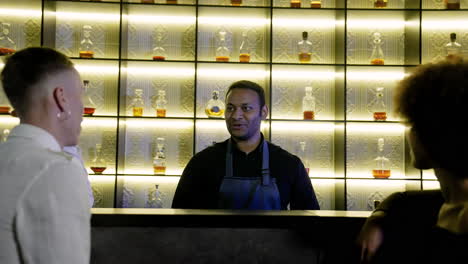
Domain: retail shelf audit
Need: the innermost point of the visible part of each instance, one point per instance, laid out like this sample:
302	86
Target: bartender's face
244	113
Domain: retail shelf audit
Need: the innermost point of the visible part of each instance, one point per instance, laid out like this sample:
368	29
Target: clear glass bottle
380	3
215	107
161	104
244	50
159	53
453	49
7	45
308	104
381	163
159	161
316	3
452	4
377	56
305	48
304	157
88	104
86	44
154	198
222	51
138	103
5	134
99	163
295	3
378	107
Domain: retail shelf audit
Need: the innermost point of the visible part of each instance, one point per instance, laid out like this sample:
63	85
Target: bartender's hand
371	237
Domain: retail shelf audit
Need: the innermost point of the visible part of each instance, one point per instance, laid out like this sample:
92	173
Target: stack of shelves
339	146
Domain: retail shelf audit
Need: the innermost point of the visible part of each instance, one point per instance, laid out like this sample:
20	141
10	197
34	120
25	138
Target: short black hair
28	67
244	84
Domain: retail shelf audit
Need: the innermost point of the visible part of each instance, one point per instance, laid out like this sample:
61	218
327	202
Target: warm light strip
372	183
238	21
90	17
173	20
375	76
171	124
302	126
378	23
429	174
9	120
445	25
309	23
150	179
101	179
312	75
245	74
368	174
431	185
374	128
20	12
97	69
161	71
99	122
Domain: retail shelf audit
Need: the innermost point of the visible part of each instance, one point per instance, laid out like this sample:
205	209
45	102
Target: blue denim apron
252	193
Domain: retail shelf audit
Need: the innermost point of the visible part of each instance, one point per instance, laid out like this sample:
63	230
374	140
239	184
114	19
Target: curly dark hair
433	100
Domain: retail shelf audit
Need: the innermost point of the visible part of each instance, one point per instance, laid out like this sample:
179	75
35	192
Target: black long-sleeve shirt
202	177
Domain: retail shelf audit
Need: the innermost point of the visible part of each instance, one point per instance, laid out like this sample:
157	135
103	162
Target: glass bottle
215	107
159	53
138	103
171	2
159	161
295	3
161	104
452	4
377	56
308	104
88	104
380	3
5	134
453	49
304	157
147	1
236	2
381	163
4	109
316	3
222	52
244	50
378	107
7	45
86	45
99	164
153	199
305	48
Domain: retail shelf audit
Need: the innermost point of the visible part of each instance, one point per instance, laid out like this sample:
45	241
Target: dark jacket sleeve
184	197
302	193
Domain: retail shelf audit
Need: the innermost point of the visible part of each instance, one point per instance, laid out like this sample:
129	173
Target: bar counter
224	236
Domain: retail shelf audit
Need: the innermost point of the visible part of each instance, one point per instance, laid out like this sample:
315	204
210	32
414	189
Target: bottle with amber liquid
315	3
236	2
380	3
159	53
154	198
86	44
452	4
4	109
453	49
378	107
303	155
98	164
295	3
161	104
138	103
305	48
171	2
381	163
377	56
222	51
88	105
159	161
147	1
7	45
215	107
244	50
308	104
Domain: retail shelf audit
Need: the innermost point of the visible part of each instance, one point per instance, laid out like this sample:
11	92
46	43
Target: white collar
36	134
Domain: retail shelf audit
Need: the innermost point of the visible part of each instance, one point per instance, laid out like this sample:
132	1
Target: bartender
245	171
